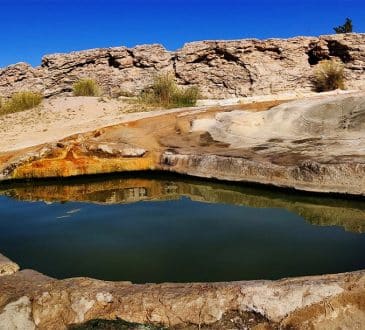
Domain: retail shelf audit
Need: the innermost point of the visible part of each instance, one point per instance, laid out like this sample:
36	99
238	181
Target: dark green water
174	229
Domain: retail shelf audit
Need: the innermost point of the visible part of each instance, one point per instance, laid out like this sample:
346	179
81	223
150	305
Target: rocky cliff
221	69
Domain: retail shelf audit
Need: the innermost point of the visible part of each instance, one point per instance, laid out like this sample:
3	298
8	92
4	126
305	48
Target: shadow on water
146	186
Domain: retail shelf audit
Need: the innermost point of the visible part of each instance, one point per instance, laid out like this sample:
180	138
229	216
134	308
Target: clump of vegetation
344	28
86	87
329	75
164	92
20	101
117	324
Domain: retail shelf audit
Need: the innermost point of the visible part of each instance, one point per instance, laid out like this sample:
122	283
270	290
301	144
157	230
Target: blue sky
32	28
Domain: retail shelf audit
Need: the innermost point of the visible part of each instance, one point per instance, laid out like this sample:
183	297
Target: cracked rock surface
221	69
30	300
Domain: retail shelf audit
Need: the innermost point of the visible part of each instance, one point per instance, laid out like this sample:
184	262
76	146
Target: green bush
186	97
164	92
20	101
345	28
86	87
328	76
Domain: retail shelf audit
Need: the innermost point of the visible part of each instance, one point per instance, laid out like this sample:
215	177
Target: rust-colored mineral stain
72	165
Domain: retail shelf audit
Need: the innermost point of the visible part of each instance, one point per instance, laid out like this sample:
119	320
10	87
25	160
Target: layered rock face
220	69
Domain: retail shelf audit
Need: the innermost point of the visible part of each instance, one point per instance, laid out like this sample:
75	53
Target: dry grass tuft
20	101
86	87
329	75
165	93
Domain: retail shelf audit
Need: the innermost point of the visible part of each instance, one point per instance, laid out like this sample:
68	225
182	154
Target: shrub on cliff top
328	76
344	28
86	87
164	92
20	101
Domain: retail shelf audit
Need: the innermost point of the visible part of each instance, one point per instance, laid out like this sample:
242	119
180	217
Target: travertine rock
7	267
314	144
221	69
30	300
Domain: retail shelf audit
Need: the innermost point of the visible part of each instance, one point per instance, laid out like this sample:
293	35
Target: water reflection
322	211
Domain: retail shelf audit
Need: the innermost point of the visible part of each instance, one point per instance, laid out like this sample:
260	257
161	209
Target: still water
164	228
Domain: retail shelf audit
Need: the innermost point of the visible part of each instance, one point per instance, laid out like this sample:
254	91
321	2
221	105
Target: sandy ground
58	118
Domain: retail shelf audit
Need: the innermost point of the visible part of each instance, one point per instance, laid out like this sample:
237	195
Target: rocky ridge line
221	69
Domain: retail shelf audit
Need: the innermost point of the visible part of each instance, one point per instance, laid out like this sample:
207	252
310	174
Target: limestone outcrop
30	300
220	69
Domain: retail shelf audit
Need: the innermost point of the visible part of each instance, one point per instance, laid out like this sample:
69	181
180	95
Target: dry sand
58	118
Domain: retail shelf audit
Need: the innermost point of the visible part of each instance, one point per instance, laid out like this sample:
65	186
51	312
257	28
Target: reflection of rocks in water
318	211
171	188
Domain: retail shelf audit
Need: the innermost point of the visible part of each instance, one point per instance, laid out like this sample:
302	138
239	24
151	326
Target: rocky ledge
313	144
30	300
221	69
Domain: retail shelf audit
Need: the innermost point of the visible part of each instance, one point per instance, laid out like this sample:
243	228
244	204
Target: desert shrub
86	87
164	92
186	97
328	76
345	28
20	101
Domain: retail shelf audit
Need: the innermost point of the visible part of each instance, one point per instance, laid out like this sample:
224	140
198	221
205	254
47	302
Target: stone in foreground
7	267
30	300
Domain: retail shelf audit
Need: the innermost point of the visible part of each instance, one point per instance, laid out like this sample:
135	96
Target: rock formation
7	267
220	69
312	145
30	300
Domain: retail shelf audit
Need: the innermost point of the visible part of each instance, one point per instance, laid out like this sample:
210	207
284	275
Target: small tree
345	28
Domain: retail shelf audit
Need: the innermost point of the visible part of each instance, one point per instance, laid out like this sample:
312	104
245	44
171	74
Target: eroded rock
315	144
221	69
59	303
7	267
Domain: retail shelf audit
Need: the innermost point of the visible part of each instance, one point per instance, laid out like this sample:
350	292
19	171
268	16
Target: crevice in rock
45	63
273	49
136	61
112	62
87	62
183	81
201	59
339	50
227	55
316	54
